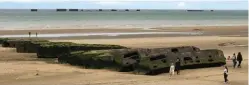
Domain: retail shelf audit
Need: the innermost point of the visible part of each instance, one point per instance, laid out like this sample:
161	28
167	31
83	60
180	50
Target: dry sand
25	69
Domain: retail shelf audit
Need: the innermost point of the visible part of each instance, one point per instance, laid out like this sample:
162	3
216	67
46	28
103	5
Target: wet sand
25	69
211	29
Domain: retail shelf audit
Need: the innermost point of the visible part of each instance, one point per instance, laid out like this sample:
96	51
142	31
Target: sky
126	4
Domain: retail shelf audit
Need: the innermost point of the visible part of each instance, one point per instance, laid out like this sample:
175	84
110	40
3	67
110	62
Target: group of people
36	34
175	67
236	59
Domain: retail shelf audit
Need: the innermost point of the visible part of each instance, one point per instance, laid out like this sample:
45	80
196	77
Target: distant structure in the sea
75	10
89	10
33	10
195	10
61	10
211	10
113	10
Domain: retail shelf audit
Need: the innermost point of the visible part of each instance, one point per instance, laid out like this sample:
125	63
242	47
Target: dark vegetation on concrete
2	40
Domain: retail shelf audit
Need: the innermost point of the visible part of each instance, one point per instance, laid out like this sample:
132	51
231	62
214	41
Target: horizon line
111	9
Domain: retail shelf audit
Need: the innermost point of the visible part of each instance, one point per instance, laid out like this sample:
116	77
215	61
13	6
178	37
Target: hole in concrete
164	61
130	54
135	57
154	66
157	57
174	50
210	60
188	60
138	61
194	49
198	61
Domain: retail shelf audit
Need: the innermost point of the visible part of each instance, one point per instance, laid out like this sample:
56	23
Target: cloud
26	1
110	3
181	4
109	0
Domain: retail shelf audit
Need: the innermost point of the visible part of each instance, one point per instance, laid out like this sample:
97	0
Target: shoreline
116	34
239	31
118	27
86	30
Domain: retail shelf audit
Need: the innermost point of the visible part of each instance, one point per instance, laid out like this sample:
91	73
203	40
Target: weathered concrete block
61	10
33	10
74	10
145	61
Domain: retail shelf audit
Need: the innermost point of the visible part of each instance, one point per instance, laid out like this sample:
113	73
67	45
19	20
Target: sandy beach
213	29
26	69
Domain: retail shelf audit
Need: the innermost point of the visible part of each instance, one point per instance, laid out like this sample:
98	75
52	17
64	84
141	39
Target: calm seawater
50	19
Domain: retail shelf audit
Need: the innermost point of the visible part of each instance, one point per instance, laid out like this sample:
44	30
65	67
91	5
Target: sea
21	19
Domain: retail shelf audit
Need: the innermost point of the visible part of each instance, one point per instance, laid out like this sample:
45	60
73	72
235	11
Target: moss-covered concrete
143	61
138	60
91	59
54	49
29	46
3	40
13	42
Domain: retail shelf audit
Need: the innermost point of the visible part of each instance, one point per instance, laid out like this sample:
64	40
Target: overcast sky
126	4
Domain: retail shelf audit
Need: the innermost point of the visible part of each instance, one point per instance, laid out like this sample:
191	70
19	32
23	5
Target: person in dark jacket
239	59
36	34
234	60
29	34
177	66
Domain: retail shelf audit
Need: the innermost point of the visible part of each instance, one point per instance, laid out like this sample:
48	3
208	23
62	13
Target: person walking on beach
234	60
225	74
228	58
177	66
36	34
29	34
239	59
172	69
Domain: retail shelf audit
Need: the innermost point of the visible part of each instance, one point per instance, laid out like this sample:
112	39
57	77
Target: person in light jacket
234	59
225	74
172	69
